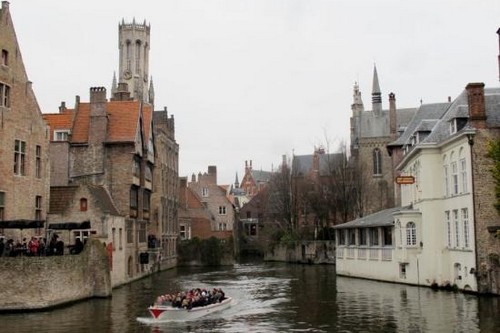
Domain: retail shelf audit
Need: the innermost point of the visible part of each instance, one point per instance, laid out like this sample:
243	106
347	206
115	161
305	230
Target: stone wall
487	243
31	283
307	252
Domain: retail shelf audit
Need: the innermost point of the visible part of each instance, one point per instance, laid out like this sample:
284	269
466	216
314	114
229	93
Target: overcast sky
257	79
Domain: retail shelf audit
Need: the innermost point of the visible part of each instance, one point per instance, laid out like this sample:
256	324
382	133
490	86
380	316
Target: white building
429	239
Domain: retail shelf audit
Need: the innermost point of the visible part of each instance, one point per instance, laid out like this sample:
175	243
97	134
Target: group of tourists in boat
191	298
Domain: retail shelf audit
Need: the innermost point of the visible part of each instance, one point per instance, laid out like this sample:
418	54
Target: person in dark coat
78	247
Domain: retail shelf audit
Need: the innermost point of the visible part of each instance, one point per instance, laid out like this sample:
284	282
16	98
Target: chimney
193	178
449	99
5	5
97	95
212	173
392	116
62	107
477	108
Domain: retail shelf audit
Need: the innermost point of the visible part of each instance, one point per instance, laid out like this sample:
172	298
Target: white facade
432	233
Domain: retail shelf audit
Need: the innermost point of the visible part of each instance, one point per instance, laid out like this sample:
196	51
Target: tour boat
167	312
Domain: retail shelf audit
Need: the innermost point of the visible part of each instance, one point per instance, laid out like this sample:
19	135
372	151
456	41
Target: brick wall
30	283
487	245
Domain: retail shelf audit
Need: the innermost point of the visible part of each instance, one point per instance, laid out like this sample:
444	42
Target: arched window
127	54
138	57
83	204
411	234
377	162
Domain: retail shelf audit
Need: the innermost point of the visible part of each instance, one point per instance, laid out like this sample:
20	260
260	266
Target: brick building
213	198
165	199
254	180
24	154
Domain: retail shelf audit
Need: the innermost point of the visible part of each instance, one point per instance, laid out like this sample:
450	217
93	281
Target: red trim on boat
156	312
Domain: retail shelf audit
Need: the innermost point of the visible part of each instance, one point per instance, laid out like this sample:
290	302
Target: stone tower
133	43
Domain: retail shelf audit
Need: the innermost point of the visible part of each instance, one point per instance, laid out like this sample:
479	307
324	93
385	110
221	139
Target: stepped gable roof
382	218
425	117
459	109
123	121
60	197
59	121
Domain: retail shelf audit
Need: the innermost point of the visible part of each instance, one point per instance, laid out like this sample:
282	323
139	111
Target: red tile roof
123	120
59	121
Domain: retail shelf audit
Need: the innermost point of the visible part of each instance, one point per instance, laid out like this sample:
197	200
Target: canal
274	297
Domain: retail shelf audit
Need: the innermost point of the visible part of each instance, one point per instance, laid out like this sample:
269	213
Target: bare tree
279	201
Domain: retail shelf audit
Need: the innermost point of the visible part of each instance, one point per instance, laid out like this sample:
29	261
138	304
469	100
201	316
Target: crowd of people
192	298
37	246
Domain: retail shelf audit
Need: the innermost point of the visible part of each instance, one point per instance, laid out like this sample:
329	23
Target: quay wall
305	252
33	283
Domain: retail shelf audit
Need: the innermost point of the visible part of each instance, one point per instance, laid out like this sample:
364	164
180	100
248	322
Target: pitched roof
61	198
303	164
382	218
123	118
59	121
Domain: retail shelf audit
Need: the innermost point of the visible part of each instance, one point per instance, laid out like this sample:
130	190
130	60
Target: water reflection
275	298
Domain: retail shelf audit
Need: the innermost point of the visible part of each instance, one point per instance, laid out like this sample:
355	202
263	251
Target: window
4	95
137	57
222	226
38	162
134	201
463	175
204	192
130	232
82	234
222	210
351	236
142	233
465	221
120	231
456	223
374	236
5	57
454	178
402	270
341	236
182	231
249	214
128	55
61	135
377	162
387	236
2	206
113	239
411	234
83	204
453	126
446	187
146	202
20	157
448	227
362	236
137	168
148	174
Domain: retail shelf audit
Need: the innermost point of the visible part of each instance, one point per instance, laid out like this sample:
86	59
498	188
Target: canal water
274	297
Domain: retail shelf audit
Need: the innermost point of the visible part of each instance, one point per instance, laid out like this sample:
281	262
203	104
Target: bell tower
133	43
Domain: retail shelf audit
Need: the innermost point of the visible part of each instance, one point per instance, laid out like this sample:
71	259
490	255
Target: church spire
113	85
151	92
236	182
376	94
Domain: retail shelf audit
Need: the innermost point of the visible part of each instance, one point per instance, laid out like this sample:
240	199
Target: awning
21	224
69	225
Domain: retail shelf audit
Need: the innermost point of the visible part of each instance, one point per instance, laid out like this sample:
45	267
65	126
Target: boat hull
161	312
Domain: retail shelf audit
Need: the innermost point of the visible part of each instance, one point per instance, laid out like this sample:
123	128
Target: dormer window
61	135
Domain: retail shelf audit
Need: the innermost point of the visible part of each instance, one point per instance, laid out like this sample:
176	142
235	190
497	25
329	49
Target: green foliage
208	251
494	154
